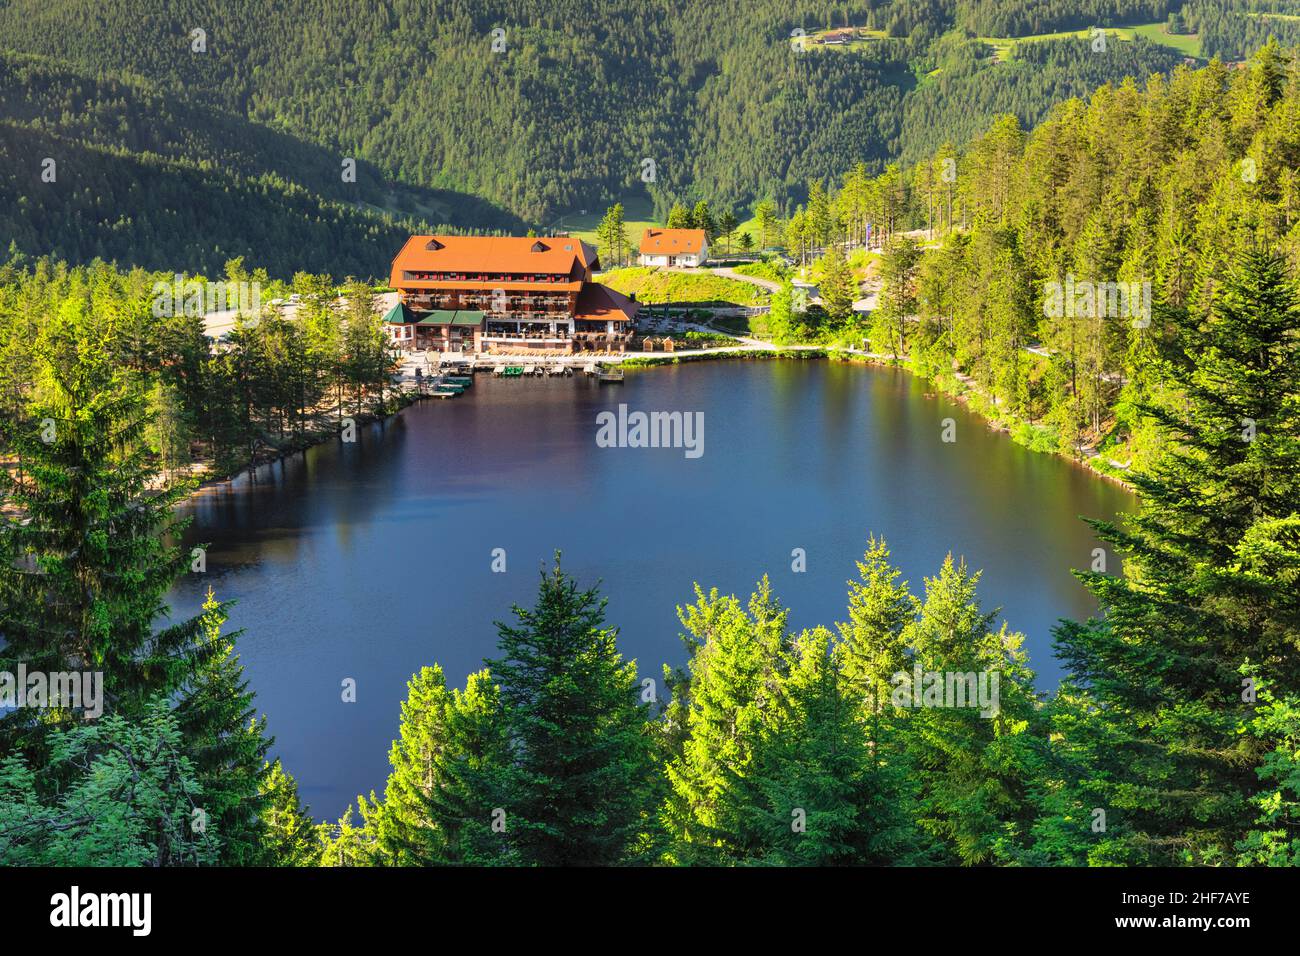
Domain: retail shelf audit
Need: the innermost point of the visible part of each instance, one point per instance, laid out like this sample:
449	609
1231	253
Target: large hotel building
505	295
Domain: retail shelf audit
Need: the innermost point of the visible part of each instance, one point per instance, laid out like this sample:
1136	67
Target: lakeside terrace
501	294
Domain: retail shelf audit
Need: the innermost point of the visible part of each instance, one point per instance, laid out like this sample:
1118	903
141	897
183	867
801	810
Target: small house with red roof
674	247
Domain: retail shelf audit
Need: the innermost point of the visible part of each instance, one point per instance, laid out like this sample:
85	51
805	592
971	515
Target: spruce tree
227	742
1162	681
736	664
838	286
824	799
290	836
870	650
702	218
577	789
86	565
872	645
973	764
448	766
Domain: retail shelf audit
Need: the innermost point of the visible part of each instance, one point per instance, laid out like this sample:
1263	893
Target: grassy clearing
863	38
772	271
1186	44
654	286
1004	47
638	213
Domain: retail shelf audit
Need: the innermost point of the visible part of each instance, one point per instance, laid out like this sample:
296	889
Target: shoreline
857	357
310	439
648	360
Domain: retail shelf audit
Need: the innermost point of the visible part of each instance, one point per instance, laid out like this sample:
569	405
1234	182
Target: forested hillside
1157	191
567	106
162	182
1135	199
1232	29
965	95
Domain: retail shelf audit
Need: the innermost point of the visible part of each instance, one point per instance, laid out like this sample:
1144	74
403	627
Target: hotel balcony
517	335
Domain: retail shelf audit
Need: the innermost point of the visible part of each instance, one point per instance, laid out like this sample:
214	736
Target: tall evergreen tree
1157	679
837	285
679	217
579	781
736	663
86	568
611	237
290	836
825	798
727	224
227	743
872	645
448	766
702	218
973	764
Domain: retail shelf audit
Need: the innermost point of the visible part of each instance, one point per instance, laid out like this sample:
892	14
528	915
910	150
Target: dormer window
433	245
540	246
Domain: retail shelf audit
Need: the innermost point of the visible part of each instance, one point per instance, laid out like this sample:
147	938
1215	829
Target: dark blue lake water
369	560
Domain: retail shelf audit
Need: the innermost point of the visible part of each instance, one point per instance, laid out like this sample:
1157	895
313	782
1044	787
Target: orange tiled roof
475	285
599	303
522	255
670	242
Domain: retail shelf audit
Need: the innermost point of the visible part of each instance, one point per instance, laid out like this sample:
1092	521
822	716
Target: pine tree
226	742
580	777
702	218
290	837
737	660
872	646
468	805
727	227
824	799
837	285
448	763
611	236
347	844
1158	677
973	764
898	300
766	214
679	217
87	567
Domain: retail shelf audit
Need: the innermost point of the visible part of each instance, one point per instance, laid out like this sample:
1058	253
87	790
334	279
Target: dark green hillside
1038	73
158	181
565	116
